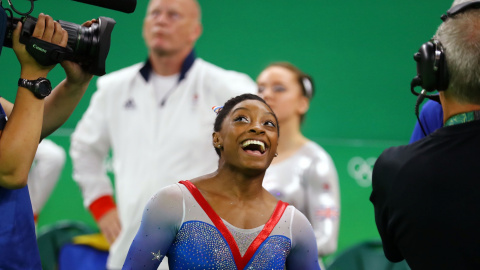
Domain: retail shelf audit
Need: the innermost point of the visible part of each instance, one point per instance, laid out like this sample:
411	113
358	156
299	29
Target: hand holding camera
76	74
47	30
87	44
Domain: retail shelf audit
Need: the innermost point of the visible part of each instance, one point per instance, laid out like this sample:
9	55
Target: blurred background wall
358	52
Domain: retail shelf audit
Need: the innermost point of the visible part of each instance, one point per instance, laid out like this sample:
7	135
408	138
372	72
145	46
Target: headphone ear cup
425	58
432	69
442	72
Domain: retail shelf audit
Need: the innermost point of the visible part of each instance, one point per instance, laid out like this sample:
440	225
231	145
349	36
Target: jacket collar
187	64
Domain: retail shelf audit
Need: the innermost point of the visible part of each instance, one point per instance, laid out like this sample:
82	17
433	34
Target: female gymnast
226	220
303	174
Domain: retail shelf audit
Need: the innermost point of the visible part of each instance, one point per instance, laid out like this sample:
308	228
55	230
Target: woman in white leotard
303	174
226	220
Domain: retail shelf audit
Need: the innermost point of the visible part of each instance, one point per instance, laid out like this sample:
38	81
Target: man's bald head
193	7
172	26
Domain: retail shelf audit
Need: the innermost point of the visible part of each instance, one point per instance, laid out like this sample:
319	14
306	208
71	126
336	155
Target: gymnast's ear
217	140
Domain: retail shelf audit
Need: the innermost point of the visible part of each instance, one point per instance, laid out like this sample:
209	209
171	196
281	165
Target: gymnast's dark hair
228	106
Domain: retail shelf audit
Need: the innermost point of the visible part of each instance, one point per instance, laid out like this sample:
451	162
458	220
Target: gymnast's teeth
249	142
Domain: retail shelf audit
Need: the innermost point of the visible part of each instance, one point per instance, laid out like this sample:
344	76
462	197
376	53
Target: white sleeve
90	144
43	176
324	203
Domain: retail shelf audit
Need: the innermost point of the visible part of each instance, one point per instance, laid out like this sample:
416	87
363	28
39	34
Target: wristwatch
40	87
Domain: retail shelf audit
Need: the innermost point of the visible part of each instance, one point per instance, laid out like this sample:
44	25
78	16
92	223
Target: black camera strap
47	53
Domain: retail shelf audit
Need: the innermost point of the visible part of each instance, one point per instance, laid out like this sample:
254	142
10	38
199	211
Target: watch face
43	88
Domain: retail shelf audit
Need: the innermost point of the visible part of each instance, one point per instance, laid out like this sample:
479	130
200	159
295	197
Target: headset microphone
127	6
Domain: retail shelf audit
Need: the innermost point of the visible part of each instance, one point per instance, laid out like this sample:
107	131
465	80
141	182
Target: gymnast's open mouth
254	147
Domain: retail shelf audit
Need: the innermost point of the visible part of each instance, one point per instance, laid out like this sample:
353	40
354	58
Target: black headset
432	71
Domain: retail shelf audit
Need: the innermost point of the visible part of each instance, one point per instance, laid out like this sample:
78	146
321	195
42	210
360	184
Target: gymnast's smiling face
248	136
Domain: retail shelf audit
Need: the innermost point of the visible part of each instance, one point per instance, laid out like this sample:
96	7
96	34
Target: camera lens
90	45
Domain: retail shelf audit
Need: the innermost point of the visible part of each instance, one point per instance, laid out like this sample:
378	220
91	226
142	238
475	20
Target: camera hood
105	28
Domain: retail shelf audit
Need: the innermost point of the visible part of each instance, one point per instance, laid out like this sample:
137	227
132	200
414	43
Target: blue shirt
431	117
18	243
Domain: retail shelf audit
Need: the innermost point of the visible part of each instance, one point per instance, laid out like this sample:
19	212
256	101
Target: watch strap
26	84
31	85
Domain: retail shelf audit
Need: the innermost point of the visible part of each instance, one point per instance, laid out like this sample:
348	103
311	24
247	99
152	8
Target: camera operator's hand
76	75
45	29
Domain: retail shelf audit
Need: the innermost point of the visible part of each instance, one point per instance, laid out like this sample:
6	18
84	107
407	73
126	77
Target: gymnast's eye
270	123
241	118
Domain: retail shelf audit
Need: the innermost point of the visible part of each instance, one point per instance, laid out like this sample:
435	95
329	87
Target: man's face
171	26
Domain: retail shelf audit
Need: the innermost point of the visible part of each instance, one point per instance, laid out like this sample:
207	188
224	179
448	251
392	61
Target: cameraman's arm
65	97
19	139
7	107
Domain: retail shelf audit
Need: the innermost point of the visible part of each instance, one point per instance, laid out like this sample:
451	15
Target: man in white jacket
156	118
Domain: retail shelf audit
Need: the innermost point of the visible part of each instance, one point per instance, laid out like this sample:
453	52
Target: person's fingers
87	24
64	41
111	237
107	233
57	37
39	27
16	34
107	236
110	226
49	29
115	231
117	228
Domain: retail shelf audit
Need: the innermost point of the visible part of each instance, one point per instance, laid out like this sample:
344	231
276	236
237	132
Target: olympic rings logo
361	170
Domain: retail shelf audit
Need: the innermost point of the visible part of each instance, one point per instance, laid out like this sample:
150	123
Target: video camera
87	46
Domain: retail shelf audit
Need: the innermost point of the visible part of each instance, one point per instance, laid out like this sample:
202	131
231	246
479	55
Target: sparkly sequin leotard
308	180
180	224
